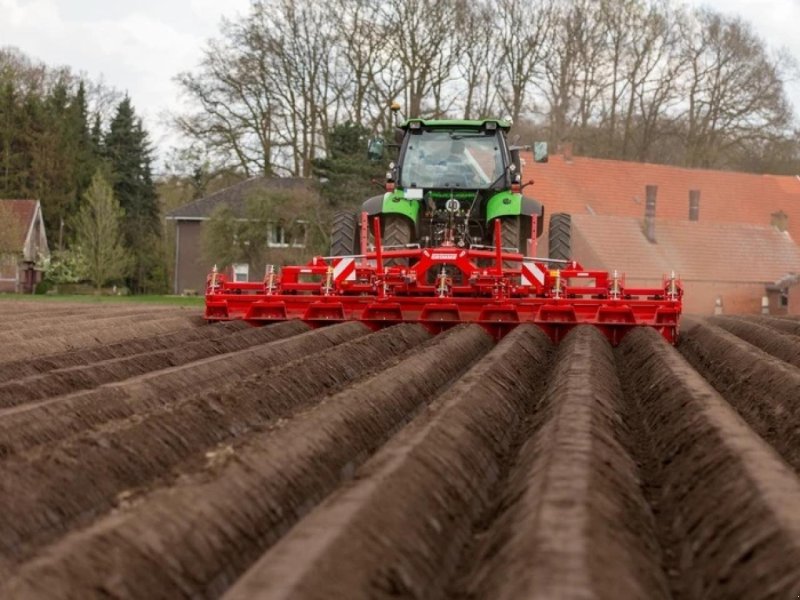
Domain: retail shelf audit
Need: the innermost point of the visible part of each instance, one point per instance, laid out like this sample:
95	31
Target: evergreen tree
346	175
127	150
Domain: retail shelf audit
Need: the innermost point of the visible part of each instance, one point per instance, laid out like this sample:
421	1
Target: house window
283	236
241	272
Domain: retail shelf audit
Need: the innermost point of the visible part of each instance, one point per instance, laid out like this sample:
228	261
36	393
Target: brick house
732	240
20	270
191	266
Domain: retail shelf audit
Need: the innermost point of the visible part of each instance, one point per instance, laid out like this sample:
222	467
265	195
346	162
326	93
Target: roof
583	185
236	197
503	124
695	250
24	211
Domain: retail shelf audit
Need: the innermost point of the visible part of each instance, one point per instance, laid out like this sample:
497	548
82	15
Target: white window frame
241	272
276	237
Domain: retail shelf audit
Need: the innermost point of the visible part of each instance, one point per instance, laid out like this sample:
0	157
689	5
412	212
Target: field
146	454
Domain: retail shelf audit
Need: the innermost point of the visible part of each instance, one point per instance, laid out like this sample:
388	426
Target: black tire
398	232
514	235
560	237
345	239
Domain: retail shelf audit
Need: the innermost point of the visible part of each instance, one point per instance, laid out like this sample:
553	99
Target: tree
10	234
98	234
346	177
128	154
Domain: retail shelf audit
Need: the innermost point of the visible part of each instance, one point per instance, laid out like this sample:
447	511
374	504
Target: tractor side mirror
515	160
540	154
375	149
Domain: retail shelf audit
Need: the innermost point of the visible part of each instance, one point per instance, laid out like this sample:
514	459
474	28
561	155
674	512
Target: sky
138	47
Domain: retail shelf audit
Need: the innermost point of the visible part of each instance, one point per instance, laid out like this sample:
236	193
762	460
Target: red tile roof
24	211
696	251
613	187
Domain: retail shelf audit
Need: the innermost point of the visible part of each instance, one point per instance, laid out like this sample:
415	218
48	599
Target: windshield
452	159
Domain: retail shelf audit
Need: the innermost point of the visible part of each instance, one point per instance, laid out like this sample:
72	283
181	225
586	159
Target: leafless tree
734	90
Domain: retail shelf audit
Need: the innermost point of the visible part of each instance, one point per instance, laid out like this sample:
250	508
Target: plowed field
145	454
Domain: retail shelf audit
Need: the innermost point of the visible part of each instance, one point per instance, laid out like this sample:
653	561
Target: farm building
191	263
731	237
20	267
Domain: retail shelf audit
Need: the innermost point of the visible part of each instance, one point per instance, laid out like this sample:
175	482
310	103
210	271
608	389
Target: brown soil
71	379
103	464
763	389
442	466
48	421
574	518
726	504
145	454
205	530
781	345
81	339
27	367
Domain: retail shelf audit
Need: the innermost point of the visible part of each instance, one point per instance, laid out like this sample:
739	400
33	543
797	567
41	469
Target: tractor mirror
540	154
515	160
375	149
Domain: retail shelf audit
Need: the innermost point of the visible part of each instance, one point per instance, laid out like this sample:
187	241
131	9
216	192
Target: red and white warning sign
531	272
344	269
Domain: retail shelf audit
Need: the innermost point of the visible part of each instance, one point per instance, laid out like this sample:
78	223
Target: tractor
452	178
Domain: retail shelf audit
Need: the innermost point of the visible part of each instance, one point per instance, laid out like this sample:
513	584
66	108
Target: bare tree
523	34
420	37
734	90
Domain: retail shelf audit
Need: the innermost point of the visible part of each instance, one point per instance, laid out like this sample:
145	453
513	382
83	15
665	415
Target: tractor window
452	159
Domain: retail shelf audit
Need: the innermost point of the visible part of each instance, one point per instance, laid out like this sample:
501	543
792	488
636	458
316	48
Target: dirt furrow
70	483
203	533
726	504
84	324
575	523
780	345
762	388
422	491
51	420
62	343
783	325
20	369
72	379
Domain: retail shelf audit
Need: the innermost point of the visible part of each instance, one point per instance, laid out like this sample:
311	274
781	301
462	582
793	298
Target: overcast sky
140	46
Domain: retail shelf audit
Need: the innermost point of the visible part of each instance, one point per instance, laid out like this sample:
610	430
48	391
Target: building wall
191	270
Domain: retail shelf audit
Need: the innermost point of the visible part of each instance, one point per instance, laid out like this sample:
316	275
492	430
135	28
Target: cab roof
457	123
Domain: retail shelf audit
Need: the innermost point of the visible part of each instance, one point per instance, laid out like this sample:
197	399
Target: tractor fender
392	203
509	204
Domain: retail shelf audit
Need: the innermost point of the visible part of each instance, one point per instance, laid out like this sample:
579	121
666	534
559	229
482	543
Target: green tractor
452	179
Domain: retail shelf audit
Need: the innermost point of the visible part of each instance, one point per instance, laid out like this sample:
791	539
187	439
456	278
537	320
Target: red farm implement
439	287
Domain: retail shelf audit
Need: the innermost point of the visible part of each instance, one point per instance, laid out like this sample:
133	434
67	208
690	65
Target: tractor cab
453	158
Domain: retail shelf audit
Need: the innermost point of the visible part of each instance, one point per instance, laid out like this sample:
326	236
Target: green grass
91	299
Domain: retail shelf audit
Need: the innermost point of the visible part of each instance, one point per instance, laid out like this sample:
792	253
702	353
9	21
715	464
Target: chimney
650	213
565	148
694	205
780	220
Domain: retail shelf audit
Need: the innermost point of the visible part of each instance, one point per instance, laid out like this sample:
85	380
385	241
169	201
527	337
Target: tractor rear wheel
560	237
345	239
514	234
397	232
